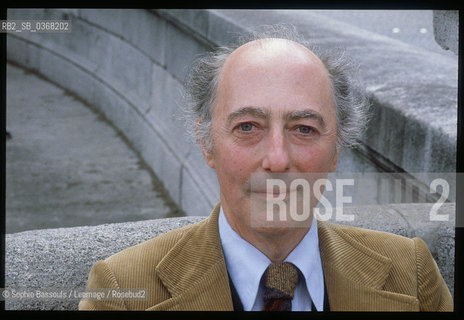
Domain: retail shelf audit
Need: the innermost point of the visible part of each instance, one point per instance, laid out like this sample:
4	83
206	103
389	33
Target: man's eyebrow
304	114
247	111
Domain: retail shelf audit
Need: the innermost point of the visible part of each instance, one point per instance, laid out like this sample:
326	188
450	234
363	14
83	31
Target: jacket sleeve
432	292
101	277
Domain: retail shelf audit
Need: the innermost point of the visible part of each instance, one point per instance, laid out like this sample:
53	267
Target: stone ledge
446	29
62	258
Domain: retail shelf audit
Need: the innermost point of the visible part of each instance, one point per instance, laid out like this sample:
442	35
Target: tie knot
281	279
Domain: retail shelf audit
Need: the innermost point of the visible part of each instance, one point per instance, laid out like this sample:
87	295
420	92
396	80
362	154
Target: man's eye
246	126
305	129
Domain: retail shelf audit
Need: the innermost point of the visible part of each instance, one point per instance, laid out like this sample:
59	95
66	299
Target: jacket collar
194	270
354	274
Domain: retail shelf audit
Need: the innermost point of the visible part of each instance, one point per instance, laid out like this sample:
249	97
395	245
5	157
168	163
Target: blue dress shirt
246	265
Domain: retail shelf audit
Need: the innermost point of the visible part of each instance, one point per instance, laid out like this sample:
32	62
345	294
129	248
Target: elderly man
272	107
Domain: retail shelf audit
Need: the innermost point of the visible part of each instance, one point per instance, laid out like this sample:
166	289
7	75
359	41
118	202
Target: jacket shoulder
135	268
379	241
151	251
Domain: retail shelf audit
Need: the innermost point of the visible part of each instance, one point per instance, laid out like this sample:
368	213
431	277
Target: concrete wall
60	259
130	64
446	29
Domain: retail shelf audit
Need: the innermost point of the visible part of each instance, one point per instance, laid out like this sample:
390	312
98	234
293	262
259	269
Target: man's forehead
272	54
276	73
263	50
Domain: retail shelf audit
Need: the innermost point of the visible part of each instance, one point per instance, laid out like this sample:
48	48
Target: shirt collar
246	276
306	256
238	253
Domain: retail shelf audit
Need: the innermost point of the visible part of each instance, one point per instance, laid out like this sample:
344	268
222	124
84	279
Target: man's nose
276	157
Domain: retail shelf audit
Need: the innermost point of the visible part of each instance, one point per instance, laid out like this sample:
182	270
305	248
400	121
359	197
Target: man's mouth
271	194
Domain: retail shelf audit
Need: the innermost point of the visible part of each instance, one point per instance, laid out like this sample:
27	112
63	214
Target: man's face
274	113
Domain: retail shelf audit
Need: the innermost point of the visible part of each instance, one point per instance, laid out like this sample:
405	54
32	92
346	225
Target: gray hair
201	87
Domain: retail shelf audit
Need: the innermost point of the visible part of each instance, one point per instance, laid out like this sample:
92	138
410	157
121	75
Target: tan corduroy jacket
185	270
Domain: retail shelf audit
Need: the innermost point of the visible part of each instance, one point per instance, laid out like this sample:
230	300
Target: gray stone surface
181	47
61	258
66	166
112	73
165	98
197	202
131	72
164	113
192	19
145	31
210	189
446	29
409	26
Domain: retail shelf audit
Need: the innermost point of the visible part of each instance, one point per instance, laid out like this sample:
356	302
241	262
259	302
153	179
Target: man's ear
206	150
334	163
208	157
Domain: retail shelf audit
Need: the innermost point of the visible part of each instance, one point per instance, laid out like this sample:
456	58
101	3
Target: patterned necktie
280	281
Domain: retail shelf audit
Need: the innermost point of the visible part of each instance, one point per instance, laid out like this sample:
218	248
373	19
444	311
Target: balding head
279	55
271	49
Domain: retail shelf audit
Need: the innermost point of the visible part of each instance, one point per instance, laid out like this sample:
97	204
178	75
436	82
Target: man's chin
274	219
276	226
279	230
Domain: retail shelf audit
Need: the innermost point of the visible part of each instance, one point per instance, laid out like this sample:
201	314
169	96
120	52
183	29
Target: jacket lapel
355	275
199	280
